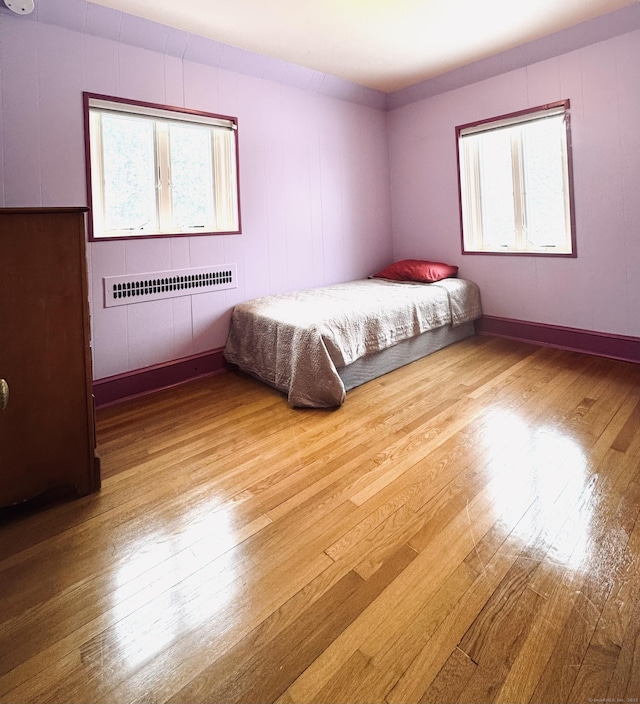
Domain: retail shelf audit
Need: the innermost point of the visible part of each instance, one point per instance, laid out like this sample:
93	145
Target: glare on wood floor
464	529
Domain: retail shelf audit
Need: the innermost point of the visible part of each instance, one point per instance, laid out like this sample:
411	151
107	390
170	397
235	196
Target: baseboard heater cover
154	286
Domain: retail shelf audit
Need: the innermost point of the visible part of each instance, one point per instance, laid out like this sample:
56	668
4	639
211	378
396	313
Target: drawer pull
4	394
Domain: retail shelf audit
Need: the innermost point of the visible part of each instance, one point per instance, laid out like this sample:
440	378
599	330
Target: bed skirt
374	365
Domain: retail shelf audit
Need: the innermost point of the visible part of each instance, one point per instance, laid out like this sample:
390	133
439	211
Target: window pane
544	182
129	173
515	183
191	176
225	179
496	189
159	171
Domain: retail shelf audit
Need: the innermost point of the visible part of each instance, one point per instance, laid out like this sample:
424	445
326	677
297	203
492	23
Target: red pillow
417	270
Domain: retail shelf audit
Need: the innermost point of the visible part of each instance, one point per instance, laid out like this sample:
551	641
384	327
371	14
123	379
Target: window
155	171
515	183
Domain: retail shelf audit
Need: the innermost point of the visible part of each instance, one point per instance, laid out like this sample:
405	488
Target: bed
317	344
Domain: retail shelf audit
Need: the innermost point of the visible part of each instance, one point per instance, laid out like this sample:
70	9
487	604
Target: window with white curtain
515	183
157	171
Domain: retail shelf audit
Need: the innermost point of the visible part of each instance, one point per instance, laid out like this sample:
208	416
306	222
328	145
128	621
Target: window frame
161	112
521	116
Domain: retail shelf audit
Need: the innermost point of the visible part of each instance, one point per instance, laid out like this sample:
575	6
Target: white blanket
296	341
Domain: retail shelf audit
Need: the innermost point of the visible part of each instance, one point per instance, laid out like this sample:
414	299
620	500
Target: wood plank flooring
464	529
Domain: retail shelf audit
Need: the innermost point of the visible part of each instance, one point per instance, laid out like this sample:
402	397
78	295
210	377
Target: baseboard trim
140	382
600	344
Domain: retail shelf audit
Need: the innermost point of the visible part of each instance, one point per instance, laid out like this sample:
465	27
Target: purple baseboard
601	344
139	382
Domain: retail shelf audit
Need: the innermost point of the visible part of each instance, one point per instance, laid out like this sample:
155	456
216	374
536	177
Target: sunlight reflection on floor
550	468
172	582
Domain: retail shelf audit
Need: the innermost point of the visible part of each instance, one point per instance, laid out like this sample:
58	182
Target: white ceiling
381	44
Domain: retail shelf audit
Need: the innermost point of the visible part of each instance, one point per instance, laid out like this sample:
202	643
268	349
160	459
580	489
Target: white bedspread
295	341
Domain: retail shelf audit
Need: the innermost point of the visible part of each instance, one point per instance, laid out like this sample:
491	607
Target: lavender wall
314	175
600	289
323	168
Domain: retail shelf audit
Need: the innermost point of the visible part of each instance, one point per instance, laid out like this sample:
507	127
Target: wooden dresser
47	430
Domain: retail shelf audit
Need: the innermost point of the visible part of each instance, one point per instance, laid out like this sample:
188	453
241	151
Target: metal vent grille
123	290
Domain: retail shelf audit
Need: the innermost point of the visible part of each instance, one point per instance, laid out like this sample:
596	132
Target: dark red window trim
86	97
512	115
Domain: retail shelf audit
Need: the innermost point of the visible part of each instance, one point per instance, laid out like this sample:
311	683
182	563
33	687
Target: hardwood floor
464	529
